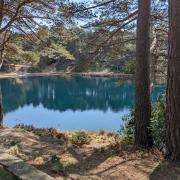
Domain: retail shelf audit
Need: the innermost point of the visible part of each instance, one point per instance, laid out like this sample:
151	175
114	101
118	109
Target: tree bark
5	39
1	58
1	109
173	85
1	11
1	62
142	82
153	59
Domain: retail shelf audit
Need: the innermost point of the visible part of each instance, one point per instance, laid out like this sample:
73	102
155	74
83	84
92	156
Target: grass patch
9	142
80	138
6	175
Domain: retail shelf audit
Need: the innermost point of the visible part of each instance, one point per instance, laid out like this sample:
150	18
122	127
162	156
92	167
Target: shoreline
64	74
13	75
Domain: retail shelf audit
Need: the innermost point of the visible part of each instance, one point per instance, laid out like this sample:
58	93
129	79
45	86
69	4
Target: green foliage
43	33
60	42
67	11
32	57
57	50
129	67
157	124
127	131
5	126
63	35
13	52
52	43
28	128
9	142
80	138
6	175
56	165
35	69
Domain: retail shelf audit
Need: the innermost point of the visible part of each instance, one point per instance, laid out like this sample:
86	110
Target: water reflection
65	95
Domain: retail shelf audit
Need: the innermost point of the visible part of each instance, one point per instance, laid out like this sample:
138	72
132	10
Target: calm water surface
69	103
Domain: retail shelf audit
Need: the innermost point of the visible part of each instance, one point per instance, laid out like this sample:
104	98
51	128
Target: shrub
157	125
128	129
35	69
9	142
28	128
30	56
129	68
56	165
80	138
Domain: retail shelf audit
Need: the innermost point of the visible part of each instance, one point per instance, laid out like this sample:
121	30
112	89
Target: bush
28	128
9	142
56	165
127	131
157	125
80	138
129	68
30	56
35	69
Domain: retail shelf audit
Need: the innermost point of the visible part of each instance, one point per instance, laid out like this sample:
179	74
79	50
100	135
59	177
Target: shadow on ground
107	163
97	160
166	171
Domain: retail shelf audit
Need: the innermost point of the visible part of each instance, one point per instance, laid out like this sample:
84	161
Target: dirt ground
96	161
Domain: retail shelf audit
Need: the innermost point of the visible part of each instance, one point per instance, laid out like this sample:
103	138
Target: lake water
69	103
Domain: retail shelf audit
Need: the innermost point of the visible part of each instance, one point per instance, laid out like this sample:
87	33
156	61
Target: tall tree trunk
173	85
1	109
143	104
2	45
5	39
1	106
1	58
1	62
1	11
